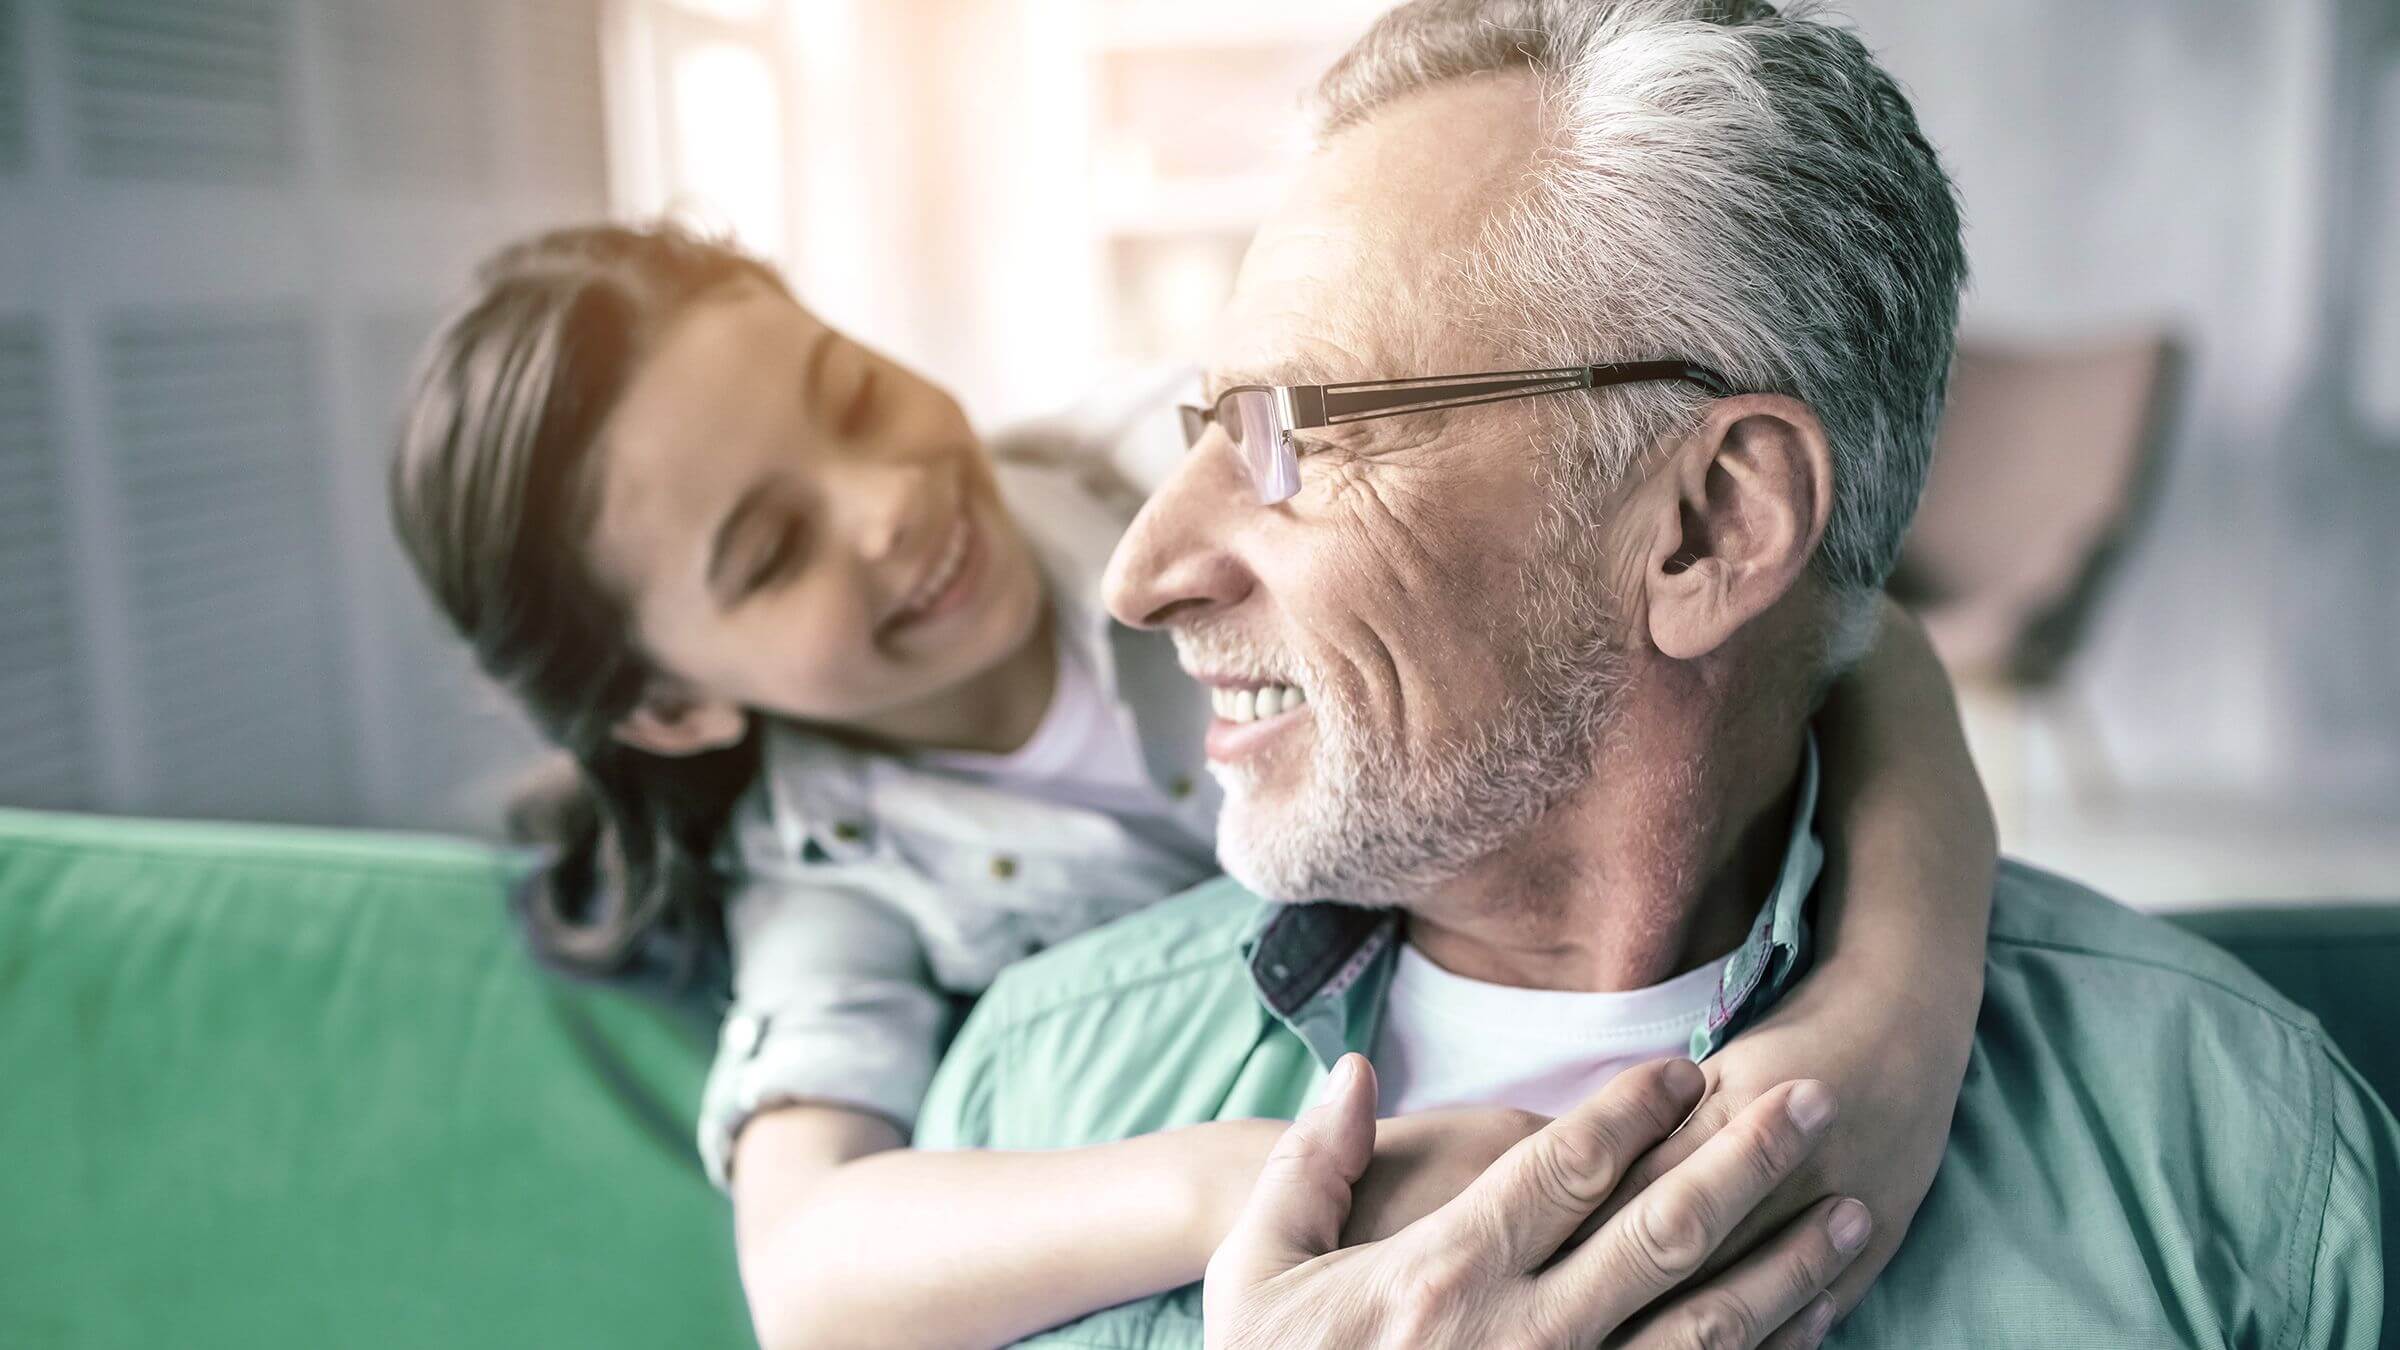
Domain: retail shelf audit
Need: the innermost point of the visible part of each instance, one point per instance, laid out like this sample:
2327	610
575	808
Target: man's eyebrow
721	545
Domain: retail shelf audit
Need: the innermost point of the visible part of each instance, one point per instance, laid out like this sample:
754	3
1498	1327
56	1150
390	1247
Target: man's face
1446	625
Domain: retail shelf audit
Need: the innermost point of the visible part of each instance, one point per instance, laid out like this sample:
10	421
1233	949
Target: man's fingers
1806	1331
1296	1210
1665	1234
1533	1199
1705	1120
1773	1297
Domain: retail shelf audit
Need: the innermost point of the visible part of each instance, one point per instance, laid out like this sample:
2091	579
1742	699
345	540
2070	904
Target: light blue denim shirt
876	888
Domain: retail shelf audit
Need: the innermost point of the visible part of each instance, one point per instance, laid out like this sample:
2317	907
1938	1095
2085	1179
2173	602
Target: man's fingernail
1810	1105
1345	1074
1819	1318
1849	1226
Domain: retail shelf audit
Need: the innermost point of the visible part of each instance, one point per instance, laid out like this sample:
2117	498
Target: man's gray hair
1722	183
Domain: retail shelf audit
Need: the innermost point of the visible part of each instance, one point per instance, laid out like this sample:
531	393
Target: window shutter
45	724
413	106
229	575
13	153
182	89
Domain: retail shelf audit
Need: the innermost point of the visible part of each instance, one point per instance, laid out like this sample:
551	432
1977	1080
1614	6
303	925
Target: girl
841	698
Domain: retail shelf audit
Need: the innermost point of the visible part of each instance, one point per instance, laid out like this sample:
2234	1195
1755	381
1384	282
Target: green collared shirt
2151	1147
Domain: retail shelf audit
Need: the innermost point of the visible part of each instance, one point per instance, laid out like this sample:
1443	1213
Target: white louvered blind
208	305
414	108
12	89
45	727
182	89
231	589
560	92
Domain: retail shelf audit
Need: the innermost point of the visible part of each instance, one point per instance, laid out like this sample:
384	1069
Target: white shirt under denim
876	888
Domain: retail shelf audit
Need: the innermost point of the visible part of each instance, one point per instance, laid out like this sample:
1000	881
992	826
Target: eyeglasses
1260	418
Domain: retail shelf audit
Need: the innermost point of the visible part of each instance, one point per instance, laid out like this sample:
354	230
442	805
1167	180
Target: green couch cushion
274	1087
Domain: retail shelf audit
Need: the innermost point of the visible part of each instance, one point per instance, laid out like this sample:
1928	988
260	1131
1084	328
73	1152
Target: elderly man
1515	676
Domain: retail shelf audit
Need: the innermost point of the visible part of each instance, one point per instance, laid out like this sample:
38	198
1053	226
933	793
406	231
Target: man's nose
1176	561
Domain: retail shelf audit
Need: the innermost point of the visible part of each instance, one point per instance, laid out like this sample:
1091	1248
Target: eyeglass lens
1258	433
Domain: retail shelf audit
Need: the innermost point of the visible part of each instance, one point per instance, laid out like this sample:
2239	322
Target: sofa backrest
274	1087
2340	961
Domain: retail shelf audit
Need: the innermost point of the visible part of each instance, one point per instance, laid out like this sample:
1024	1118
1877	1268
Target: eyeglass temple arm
1333	404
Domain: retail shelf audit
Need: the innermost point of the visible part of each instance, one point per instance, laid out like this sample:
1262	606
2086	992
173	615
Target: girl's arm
846	1238
1886	1016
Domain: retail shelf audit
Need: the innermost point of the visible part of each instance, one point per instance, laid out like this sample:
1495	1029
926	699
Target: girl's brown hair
494	487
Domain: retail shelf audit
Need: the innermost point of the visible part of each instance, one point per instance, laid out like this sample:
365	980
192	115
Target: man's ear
1750	491
675	722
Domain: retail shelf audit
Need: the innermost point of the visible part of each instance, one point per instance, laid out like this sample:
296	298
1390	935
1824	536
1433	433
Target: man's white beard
1368	824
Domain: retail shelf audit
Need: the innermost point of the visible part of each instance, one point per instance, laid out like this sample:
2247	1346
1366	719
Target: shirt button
1003	866
849	831
1180	788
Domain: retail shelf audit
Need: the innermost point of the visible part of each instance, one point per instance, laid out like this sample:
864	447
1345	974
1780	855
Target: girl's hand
1422	1161
1895	1064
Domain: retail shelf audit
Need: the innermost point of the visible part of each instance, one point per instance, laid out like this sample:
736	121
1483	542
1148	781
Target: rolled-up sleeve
832	1002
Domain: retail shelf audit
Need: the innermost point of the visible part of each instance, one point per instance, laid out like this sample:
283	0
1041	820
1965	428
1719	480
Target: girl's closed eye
781	547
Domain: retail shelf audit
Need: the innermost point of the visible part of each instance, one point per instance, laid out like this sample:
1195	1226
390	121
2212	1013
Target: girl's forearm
978	1248
1910	843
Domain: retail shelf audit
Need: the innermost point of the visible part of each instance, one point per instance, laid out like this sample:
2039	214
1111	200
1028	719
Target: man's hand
1499	1265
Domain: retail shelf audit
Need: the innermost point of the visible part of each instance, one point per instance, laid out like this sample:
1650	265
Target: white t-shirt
1447	1040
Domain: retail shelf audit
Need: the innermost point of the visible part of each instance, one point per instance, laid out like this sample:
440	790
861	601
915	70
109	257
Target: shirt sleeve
2354	1285
833	1002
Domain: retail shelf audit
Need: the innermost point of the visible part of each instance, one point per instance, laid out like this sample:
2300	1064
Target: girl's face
803	528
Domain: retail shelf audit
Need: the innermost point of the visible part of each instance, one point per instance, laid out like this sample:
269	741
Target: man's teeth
1252	705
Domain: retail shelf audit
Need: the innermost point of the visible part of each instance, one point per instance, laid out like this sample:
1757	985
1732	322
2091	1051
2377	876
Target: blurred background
2160	550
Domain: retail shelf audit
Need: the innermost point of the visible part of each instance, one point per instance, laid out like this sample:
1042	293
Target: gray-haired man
1569	417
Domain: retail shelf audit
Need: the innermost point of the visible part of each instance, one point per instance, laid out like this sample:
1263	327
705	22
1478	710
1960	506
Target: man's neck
1637	877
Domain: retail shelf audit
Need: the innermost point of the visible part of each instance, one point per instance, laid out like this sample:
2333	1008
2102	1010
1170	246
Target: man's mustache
1221	653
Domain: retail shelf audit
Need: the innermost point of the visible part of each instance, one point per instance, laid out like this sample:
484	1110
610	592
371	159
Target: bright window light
729	144
734	11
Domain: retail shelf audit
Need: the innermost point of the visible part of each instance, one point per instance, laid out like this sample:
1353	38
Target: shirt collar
1322	969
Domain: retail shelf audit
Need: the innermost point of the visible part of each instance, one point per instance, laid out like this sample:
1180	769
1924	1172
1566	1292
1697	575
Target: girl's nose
891	508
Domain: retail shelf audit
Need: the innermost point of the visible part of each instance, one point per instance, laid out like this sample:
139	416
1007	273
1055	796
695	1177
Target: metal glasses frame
1278	410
